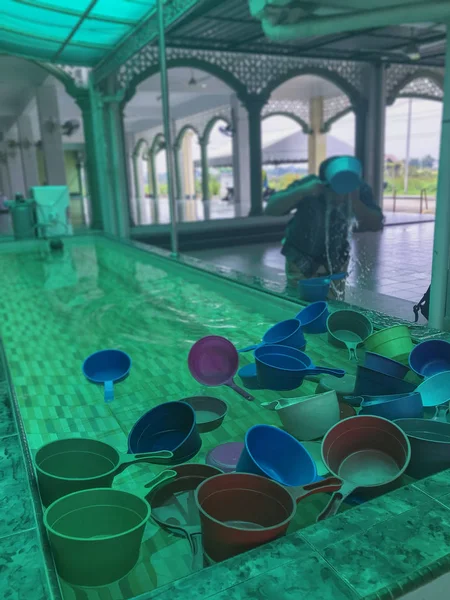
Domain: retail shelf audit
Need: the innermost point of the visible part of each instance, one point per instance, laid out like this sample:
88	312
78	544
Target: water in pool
97	294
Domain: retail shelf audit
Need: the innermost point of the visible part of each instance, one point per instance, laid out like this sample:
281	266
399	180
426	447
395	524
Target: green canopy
80	32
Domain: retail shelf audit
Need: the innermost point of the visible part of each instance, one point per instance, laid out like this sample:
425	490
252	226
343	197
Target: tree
414	162
214	186
428	161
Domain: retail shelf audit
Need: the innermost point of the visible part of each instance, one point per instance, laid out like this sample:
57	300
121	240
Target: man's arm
369	217
283	202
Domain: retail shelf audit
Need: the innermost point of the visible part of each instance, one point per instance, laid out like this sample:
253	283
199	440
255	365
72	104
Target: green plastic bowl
74	464
95	535
394	342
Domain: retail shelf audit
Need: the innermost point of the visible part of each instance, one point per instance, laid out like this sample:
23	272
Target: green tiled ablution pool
56	310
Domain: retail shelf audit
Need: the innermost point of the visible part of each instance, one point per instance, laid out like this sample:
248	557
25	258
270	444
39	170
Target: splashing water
339	294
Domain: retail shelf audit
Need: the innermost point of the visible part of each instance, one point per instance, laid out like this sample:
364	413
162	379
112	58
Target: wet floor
389	271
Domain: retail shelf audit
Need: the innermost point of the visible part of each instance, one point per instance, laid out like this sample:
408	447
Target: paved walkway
389	272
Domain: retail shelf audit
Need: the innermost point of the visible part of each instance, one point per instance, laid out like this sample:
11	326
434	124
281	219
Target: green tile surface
309	577
22	569
7	424
16	512
386	552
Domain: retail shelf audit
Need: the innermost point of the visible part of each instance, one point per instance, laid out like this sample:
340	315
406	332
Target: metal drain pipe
352	20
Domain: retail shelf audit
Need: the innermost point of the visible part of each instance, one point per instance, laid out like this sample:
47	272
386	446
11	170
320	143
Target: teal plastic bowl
310	291
344	174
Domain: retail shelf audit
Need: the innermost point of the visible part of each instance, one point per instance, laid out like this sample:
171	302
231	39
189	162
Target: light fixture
412	51
227	130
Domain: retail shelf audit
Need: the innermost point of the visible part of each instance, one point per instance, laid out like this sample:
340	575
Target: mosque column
188	165
14	162
96	160
317	140
360	133
203	141
115	136
51	135
137	185
5	183
371	123
28	152
254	104
241	155
440	292
94	149
153	173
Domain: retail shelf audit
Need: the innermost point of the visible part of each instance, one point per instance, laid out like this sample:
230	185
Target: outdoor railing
423	198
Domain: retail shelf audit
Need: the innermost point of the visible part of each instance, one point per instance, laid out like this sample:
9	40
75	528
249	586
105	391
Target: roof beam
147	31
48	38
83	17
75	13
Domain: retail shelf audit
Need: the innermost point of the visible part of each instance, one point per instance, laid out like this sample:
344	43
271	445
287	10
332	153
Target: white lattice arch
294	109
334	109
245	74
414	82
199	122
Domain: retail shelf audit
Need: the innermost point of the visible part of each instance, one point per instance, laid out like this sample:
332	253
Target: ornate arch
328	124
68	76
210	125
140	144
334	109
343	84
131	82
246	74
157	144
278	113
426	84
296	109
183	131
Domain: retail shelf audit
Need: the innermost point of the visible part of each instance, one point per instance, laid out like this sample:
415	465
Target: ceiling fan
412	50
193	83
227	130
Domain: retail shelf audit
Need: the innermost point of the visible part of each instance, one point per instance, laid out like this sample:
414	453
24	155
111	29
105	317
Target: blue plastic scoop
107	367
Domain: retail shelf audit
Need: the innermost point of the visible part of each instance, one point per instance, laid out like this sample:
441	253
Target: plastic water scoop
107	367
214	361
287	333
325	279
348	328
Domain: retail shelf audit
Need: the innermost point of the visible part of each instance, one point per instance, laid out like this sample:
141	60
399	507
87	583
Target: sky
425	131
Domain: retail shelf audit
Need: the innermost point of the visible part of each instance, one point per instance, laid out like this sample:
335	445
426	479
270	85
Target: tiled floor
389	272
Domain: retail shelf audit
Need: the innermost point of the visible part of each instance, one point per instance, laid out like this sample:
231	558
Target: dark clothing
318	234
